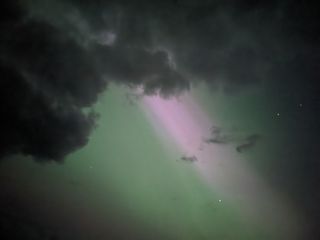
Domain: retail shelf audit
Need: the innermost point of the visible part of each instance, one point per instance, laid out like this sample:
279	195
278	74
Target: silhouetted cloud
50	78
189	158
243	141
249	143
218	137
57	56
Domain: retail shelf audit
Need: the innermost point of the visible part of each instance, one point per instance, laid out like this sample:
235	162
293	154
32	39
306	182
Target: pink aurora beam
176	117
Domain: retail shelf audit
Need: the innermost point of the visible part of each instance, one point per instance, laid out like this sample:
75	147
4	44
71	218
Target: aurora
159	120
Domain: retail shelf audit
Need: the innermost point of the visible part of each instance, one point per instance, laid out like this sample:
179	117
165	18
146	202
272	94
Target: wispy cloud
243	141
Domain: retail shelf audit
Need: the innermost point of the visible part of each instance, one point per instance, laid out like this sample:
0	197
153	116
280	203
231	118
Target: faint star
220	200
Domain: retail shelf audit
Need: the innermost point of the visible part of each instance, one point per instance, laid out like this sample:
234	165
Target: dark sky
58	57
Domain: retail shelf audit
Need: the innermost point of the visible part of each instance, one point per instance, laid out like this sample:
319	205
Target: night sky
159	120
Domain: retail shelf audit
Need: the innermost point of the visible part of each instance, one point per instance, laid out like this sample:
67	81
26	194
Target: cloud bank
58	56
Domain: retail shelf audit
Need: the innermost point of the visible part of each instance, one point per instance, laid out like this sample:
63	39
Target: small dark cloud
189	158
222	136
218	137
249	143
216	140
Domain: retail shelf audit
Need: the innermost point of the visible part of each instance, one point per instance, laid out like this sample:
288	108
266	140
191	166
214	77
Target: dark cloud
242	141
61	54
49	78
218	137
189	159
231	44
46	80
148	69
249	143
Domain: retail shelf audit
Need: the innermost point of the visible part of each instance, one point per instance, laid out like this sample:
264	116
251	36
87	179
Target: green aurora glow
125	181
